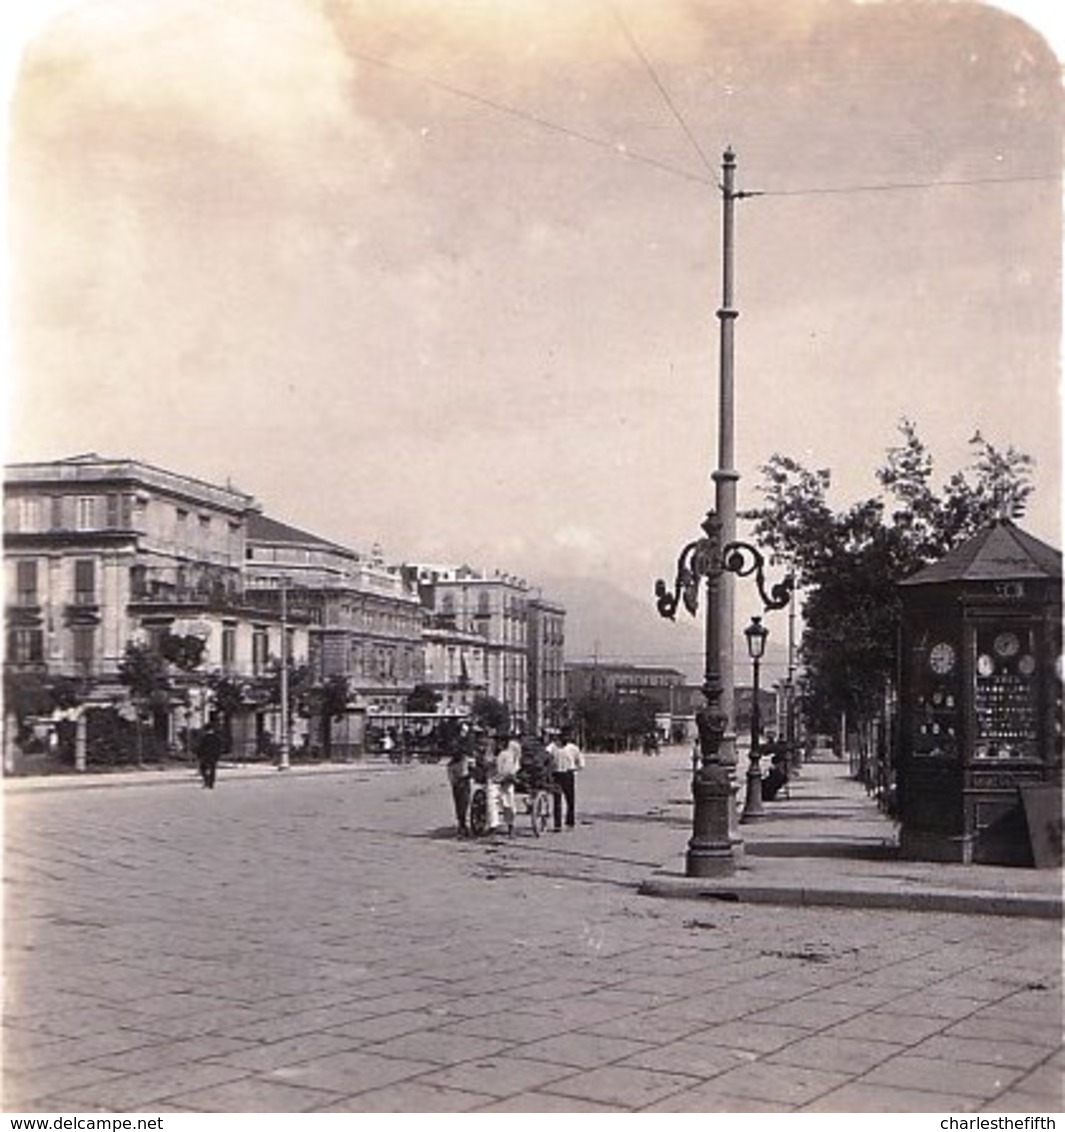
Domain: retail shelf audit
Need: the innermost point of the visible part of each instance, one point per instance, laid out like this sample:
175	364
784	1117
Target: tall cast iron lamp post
714	557
710	850
756	634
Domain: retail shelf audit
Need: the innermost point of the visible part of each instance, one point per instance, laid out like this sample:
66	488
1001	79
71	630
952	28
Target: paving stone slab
252	1094
499	1076
863	1097
347	1072
908	1071
580	1050
1018	1055
783	1084
844	1055
411	1096
546	1103
625	1086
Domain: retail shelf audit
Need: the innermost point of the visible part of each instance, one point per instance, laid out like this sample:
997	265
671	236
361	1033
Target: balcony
215	591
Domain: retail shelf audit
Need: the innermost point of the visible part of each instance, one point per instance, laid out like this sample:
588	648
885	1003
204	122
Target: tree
183	652
331	703
848	563
423	698
490	713
613	722
147	676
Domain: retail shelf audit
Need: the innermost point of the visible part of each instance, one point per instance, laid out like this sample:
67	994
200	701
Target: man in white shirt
566	760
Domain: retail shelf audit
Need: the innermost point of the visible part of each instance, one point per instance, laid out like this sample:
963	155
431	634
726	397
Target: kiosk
979	759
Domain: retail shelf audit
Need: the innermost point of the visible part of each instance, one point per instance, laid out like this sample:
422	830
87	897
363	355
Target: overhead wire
618	150
660	86
895	186
625	153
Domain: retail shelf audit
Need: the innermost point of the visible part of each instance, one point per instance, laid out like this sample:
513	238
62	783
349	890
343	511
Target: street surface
321	941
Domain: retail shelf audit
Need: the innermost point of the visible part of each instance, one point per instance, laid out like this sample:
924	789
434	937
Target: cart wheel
541	811
478	813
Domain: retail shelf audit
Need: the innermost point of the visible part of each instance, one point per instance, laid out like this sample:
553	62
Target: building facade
546	634
366	621
466	605
103	553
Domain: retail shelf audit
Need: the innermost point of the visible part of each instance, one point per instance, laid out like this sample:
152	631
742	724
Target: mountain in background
605	622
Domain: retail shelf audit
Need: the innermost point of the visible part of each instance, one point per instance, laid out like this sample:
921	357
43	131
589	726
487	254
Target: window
26	646
260	650
84	643
138	582
57	512
86	513
229	646
85	582
26	585
29	514
119	511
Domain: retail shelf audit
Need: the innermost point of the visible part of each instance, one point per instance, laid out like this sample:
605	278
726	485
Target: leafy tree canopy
849	562
490	713
423	698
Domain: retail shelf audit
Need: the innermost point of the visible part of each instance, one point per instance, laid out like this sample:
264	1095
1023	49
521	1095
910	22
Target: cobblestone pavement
322	942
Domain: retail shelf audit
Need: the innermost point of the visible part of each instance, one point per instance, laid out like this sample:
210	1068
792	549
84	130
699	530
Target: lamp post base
753	809
711	850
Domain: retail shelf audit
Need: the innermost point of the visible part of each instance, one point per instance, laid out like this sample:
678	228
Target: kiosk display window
1006	692
936	718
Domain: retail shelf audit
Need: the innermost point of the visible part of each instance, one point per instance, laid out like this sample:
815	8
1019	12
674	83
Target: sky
442	276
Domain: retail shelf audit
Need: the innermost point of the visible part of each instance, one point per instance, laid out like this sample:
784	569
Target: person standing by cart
458	776
567	759
506	777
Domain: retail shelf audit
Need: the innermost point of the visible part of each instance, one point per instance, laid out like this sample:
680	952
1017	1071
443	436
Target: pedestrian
208	752
458	775
506	777
567	759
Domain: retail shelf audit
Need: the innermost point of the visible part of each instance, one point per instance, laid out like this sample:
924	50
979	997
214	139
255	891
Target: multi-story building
466	604
101	553
366	619
547	664
594	678
455	664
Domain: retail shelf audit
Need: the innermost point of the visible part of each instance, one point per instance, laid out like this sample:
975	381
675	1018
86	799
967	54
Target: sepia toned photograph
532	560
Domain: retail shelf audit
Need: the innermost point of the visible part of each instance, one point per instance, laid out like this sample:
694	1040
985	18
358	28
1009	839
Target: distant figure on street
459	765
208	752
567	760
650	743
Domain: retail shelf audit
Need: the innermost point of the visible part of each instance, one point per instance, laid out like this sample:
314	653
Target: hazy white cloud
384	263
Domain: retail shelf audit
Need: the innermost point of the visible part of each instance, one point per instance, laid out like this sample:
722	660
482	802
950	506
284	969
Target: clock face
985	666
941	658
1007	644
1026	665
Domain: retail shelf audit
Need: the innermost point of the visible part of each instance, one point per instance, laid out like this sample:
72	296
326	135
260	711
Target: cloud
274	68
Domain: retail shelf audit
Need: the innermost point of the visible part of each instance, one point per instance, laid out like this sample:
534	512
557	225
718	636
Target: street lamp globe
756	634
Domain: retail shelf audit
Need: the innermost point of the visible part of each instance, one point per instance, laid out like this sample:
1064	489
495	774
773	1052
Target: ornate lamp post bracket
701	558
742	559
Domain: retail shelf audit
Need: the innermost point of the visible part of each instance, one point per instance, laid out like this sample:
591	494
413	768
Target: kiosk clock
1007	644
941	658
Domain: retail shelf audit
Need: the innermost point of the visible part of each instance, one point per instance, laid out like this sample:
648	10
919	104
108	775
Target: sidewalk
830	845
167	776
